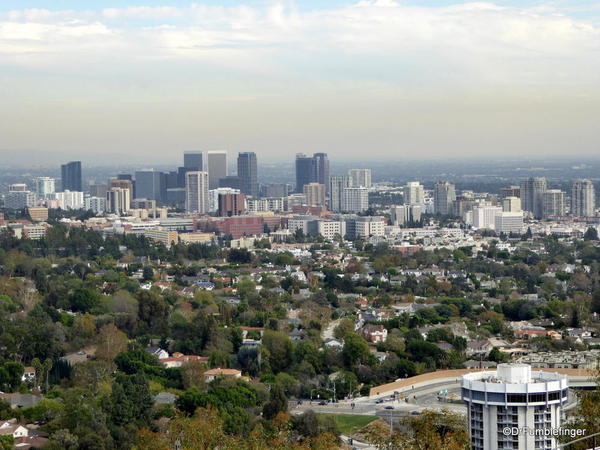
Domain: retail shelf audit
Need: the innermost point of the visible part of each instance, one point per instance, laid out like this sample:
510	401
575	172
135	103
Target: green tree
130	400
153	313
280	350
277	402
355	350
84	300
7	442
591	234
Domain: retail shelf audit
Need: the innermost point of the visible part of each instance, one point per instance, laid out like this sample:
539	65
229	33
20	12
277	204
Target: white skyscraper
118	200
44	187
414	194
355	199
532	190
485	216
513	397
69	199
196	192
315	194
96	204
19	197
509	222
403	214
583	198
337	184
216	162
444	195
360	177
553	203
511	204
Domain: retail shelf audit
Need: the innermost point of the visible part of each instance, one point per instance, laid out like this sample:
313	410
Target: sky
145	80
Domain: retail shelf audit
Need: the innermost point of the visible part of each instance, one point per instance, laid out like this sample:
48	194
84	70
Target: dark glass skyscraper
313	169
71	176
305	171
150	184
322	169
192	160
248	173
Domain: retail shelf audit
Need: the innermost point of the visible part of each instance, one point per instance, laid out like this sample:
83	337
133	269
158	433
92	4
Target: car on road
415	413
322	403
389	407
379	401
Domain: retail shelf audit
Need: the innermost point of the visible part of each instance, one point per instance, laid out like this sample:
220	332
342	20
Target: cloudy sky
146	79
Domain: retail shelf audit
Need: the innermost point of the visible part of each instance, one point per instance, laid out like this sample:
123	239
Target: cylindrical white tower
507	406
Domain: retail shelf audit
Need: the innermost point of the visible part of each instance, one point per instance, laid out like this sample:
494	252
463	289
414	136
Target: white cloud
379	65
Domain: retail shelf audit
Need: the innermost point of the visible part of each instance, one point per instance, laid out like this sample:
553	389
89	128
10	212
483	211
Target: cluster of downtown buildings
202	195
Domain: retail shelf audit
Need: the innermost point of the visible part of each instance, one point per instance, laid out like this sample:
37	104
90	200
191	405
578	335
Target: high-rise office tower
71	176
531	195
96	204
360	177
484	216
98	190
313	169
277	190
583	198
122	184
553	203
149	184
414	194
355	199
172	179
196	192
315	194
192	161
337	184
44	187
463	207
444	195
510	191
216	162
128	176
401	215
19	197
306	171
69	199
504	402
247	172
509	222
321	163
231	205
230	181
118	200
511	204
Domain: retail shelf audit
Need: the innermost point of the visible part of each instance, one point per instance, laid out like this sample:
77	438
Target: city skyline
441	78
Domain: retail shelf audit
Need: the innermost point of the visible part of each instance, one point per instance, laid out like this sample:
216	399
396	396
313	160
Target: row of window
501	397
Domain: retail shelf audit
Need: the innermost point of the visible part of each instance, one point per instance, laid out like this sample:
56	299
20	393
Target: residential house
211	374
179	359
527	334
375	333
479	348
12	428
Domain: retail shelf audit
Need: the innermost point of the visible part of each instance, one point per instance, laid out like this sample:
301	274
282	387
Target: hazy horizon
145	80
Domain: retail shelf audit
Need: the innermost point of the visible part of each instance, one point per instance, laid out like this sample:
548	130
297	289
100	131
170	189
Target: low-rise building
212	374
